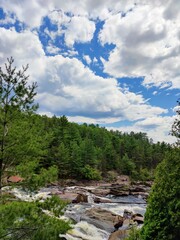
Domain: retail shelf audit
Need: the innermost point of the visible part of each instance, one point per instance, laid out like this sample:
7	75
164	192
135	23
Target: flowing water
86	231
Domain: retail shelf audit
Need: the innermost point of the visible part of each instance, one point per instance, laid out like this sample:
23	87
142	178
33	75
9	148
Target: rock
15	179
100	191
119	234
123	179
146	183
127	214
81	198
102	200
139	188
98	224
143	195
68	196
119	190
102	218
138	218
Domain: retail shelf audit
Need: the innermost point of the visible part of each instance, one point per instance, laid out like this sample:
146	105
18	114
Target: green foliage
134	234
71	147
41	179
143	175
90	173
163	211
16	96
54	204
111	176
127	165
27	220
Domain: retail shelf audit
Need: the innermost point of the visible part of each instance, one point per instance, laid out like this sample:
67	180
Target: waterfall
90	199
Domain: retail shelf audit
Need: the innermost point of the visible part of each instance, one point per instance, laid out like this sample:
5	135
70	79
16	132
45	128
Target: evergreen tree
16	96
162	218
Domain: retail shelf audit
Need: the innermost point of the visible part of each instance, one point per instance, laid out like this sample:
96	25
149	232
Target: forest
80	151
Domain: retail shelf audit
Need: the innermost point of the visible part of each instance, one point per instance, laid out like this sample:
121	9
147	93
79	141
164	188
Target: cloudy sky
115	63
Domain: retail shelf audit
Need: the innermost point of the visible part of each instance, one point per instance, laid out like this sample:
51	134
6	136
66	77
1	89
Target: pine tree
16	96
162	218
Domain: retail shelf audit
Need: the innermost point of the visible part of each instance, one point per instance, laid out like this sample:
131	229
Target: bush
111	176
134	234
90	173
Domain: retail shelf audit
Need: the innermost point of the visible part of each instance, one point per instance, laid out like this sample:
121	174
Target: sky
115	63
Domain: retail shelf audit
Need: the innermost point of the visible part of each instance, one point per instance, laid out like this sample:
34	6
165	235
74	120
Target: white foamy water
24	196
118	208
86	231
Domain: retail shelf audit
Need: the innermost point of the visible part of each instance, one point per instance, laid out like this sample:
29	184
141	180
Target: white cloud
155	92
29	12
66	85
88	120
32	12
48	114
157	128
79	29
147	44
25	47
52	49
74	28
8	19
87	59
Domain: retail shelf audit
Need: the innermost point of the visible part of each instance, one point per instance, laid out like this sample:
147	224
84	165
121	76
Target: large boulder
101	192
102	218
119	190
80	198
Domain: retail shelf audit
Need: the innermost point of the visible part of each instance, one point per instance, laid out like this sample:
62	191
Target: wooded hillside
88	151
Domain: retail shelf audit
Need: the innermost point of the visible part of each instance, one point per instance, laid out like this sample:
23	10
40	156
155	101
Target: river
85	228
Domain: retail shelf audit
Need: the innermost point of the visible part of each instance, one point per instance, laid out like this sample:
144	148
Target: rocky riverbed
96	207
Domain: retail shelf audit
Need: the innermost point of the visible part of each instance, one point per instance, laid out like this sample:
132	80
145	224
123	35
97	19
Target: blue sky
113	63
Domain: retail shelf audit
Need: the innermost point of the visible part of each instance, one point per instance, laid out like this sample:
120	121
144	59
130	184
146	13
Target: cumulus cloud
76	89
29	12
73	28
67	86
25	47
157	128
79	29
147	45
146	37
25	9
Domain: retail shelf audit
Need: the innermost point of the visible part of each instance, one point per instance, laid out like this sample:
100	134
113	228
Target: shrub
90	173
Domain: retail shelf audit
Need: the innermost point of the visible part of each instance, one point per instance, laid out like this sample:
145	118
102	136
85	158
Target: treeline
88	151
